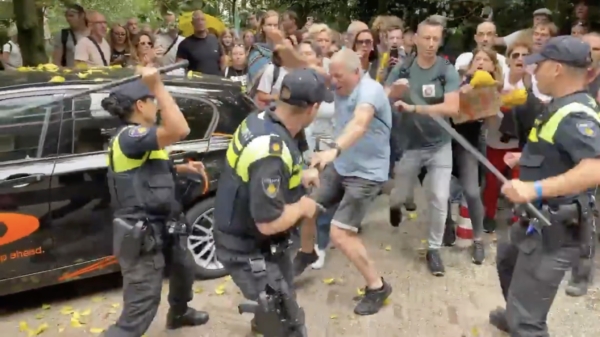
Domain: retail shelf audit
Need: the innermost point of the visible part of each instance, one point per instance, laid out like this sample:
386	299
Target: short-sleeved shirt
464	59
70	45
421	131
86	51
203	53
15	60
165	41
135	142
369	157
269	85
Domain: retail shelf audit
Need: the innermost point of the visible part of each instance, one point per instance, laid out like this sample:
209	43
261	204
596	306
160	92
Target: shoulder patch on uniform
275	145
587	129
271	186
138	131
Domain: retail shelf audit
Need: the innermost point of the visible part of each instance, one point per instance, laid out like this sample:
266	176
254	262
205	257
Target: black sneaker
373	300
497	318
395	216
449	234
489	225
303	260
478	252
191	317
434	262
410	206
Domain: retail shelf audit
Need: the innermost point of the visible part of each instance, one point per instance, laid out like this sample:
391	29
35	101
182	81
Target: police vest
541	158
139	187
257	137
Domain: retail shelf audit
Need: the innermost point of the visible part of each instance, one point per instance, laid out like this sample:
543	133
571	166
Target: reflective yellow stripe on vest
549	128
240	158
123	163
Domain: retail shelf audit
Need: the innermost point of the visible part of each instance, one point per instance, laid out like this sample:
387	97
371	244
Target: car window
28	133
199	115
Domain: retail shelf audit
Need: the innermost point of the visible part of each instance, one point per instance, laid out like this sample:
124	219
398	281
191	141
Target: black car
55	215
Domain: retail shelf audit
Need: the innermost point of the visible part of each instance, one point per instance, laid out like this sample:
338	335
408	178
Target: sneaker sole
387	295
438	273
450	244
479	263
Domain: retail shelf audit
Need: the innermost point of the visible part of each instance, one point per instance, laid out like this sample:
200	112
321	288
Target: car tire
192	215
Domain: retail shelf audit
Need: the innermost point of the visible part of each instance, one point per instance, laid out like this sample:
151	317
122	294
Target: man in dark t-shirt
202	49
593	39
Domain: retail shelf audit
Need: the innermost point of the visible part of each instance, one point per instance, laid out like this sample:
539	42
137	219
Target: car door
27	152
79	192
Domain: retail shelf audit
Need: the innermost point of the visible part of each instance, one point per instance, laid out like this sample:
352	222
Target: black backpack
64	37
252	92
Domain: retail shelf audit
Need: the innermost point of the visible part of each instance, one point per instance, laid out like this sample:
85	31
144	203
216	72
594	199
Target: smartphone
394	53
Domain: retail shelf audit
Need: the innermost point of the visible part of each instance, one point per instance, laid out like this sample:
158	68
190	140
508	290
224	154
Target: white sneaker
320	261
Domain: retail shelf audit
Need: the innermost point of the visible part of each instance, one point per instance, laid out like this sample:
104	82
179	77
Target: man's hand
310	178
320	159
403	107
512	159
398	88
150	77
159	51
519	191
195	167
465	89
309	207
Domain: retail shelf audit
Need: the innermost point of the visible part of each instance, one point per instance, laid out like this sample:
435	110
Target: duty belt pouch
156	193
128	239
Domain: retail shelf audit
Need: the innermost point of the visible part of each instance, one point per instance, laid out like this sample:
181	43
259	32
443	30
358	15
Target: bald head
199	22
485	34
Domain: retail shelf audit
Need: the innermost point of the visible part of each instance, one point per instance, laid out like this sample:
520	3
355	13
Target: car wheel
201	241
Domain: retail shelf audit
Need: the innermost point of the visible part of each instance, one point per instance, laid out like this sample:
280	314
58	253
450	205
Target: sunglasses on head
515	56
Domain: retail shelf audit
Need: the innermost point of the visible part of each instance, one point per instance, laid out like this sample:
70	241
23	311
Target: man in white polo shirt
484	37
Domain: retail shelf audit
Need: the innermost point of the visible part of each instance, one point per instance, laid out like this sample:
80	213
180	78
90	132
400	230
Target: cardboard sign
479	103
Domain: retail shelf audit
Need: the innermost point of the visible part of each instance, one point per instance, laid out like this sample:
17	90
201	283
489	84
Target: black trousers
142	285
530	274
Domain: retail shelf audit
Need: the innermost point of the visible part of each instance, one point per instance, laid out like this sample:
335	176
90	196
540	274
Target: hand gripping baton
100	87
482	159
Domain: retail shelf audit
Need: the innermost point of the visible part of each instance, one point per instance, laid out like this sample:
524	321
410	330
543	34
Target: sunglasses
144	43
515	56
120	34
367	42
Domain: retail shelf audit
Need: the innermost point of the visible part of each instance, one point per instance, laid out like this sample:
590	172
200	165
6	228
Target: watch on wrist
414	108
338	149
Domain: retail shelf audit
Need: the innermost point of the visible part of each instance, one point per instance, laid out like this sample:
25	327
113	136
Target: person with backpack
421	86
167	43
11	52
94	50
66	39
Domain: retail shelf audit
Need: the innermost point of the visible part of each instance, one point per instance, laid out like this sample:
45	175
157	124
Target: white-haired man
359	161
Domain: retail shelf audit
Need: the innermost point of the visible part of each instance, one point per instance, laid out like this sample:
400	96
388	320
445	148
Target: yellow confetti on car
46	306
388	248
23	326
86	312
112	311
76	323
329	281
57	79
82	75
220	290
96	331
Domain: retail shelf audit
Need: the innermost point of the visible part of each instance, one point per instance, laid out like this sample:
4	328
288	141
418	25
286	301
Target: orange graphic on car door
15	226
103	263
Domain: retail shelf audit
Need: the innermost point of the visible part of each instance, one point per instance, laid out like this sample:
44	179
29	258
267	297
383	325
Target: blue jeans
323	227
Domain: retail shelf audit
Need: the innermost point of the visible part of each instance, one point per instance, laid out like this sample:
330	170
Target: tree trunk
30	24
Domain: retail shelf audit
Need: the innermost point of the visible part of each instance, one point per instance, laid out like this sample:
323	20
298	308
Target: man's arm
364	112
579	137
268	181
451	103
508	39
82	56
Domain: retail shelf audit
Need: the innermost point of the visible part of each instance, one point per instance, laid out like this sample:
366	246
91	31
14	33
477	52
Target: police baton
100	87
482	159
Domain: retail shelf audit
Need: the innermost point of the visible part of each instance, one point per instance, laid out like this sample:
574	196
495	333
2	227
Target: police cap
131	92
567	50
303	88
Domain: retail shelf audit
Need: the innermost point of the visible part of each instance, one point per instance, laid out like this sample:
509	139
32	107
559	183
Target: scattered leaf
387	301
23	326
76	323
360	292
43	327
82	75
96	331
228	278
333	317
39	316
412	215
61	329
116	305
220	290
198	290
388	248
76	315
475	331
68	310
86	312
46	306
329	281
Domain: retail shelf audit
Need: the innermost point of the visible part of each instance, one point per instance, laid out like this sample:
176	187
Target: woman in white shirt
498	144
11	53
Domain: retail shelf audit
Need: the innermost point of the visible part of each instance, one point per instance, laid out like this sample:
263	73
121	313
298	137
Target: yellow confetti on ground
96	331
39	330
360	292
23	326
112	311
412	215
387	301
388	248
57	79
116	305
39	316
97	299
61	329
220	290
76	315
46	306
475	331
333	317
86	312
423	241
198	290
76	323
66	310
329	281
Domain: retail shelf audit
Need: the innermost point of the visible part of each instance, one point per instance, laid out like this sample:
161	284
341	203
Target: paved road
421	305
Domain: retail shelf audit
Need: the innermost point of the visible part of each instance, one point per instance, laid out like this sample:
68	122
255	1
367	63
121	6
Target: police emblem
285	93
138	131
587	129
271	186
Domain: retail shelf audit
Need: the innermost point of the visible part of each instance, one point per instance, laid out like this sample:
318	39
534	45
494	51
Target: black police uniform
262	175
532	265
142	186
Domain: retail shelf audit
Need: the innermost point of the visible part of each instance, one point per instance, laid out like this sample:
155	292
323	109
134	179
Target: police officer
560	155
260	196
142	186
